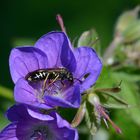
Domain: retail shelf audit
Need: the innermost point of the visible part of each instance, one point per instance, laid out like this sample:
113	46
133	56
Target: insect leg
62	83
78	80
44	83
52	82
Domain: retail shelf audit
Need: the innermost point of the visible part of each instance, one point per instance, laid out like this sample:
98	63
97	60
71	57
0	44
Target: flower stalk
60	22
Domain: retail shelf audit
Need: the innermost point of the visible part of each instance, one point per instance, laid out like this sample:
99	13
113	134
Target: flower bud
126	19
133	54
132	32
101	112
90	38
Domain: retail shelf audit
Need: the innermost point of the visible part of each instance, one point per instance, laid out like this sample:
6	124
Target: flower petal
88	63
57	47
9	132
24	60
72	95
71	98
20	112
64	130
17	112
32	128
35	113
24	93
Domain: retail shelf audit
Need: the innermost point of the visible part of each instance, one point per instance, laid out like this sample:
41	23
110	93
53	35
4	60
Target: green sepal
90	38
92	117
79	115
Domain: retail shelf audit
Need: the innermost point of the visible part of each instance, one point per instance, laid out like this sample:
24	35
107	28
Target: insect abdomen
50	74
36	76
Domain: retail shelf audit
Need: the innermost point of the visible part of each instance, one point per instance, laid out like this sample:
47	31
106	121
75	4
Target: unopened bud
90	38
132	32
133	54
126	19
93	99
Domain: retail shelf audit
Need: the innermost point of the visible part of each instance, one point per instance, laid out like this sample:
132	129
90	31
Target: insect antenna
78	80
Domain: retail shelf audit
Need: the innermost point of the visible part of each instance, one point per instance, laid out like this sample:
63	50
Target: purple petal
24	93
72	95
17	112
25	129
9	132
20	112
37	115
57	47
71	98
88	62
24	60
56	128
64	130
66	134
60	122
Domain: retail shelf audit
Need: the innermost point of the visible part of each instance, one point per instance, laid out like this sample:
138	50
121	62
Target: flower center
42	89
40	133
51	81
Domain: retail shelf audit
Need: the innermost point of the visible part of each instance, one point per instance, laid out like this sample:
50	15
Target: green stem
6	92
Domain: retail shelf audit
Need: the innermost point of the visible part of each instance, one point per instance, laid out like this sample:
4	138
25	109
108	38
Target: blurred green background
29	19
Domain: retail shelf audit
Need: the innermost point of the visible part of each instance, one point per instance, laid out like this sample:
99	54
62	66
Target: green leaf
90	38
6	93
4	121
128	127
109	90
110	79
129	92
103	80
130	69
110	94
22	42
114	101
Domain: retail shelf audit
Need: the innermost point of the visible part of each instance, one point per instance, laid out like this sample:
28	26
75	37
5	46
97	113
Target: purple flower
53	51
29	125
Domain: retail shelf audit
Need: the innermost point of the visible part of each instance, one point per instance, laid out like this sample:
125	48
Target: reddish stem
118	130
60	22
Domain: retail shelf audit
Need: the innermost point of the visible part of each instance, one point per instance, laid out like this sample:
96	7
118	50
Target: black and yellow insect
51	74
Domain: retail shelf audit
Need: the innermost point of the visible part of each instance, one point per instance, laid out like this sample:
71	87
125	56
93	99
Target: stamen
44	83
105	122
53	81
40	133
37	136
